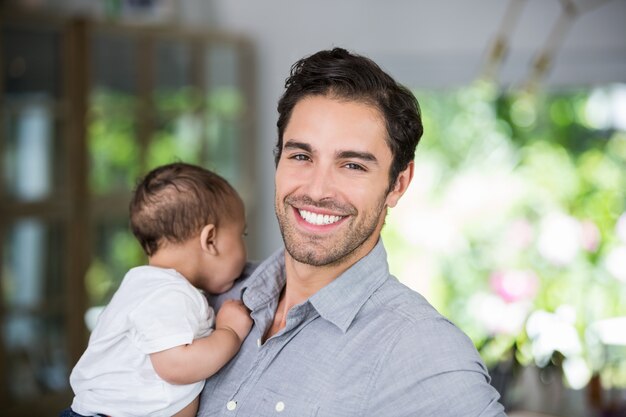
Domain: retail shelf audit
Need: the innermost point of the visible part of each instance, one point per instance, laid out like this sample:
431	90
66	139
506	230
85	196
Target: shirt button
280	406
258	342
231	405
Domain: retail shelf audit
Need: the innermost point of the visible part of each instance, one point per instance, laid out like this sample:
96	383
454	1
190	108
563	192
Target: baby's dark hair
174	202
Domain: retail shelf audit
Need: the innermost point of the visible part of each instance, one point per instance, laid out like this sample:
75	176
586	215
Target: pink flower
514	285
590	236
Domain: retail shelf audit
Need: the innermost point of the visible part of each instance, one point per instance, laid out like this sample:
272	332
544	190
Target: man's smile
318	219
318	216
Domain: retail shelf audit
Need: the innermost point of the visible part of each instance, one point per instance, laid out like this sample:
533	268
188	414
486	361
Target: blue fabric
69	413
364	345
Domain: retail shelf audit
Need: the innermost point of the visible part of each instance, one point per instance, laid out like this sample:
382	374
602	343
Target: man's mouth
319	219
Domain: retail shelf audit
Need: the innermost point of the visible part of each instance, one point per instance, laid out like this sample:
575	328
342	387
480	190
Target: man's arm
202	358
433	369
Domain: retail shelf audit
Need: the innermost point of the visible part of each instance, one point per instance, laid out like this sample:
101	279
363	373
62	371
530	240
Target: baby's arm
202	358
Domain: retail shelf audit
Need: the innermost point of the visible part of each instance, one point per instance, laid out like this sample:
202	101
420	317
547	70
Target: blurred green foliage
514	210
127	138
113	151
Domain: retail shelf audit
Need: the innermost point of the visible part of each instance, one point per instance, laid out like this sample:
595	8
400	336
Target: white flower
615	262
498	316
559	239
576	372
552	332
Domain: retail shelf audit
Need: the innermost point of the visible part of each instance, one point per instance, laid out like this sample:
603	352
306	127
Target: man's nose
321	183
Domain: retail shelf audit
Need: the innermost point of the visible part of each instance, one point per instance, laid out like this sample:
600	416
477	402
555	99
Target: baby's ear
208	237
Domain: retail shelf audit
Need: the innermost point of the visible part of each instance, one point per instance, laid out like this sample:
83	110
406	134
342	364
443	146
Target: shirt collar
338	302
266	282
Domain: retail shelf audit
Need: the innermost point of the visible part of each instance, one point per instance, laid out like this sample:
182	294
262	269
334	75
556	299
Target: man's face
332	180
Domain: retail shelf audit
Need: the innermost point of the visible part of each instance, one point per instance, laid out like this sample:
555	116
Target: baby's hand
235	316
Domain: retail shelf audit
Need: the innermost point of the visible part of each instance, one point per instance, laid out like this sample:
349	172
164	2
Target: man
334	334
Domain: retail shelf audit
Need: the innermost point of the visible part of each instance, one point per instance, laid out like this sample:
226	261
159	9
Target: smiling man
335	335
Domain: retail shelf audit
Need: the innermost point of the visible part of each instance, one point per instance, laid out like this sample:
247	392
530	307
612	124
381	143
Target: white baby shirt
153	310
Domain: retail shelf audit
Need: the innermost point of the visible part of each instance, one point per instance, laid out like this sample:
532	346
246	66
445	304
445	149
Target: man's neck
302	282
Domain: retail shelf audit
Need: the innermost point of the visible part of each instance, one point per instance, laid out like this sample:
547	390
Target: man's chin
312	258
320	257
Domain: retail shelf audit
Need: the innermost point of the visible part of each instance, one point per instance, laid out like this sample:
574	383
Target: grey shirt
364	345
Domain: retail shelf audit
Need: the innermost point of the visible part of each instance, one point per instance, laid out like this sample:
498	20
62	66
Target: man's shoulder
410	316
394	299
409	324
434	355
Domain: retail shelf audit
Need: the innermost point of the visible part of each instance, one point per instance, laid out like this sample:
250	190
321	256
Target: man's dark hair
174	202
340	74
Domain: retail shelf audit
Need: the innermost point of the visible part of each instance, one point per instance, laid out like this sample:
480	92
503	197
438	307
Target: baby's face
232	252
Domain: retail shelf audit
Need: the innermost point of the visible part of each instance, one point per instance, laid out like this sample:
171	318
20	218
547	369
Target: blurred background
514	226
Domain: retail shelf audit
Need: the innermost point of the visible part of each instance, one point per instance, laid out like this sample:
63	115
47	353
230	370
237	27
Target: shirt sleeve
433	369
170	317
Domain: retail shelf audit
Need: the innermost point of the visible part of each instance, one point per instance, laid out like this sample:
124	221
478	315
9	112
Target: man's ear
208	238
401	185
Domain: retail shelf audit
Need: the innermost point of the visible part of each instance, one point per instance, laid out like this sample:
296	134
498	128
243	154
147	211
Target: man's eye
299	157
351	165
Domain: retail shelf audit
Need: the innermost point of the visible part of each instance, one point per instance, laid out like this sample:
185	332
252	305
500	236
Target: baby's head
179	203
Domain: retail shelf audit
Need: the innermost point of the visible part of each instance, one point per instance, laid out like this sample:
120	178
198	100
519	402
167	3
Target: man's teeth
318	219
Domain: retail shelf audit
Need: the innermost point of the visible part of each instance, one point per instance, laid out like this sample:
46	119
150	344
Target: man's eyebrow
365	156
293	145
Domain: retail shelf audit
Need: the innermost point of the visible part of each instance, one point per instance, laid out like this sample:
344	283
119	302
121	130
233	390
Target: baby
154	344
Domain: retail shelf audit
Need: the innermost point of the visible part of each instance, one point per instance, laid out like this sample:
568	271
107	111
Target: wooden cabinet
86	108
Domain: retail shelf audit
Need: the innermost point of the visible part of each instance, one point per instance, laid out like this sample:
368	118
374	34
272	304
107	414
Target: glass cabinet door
34	353
34	327
113	114
85	110
174	97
